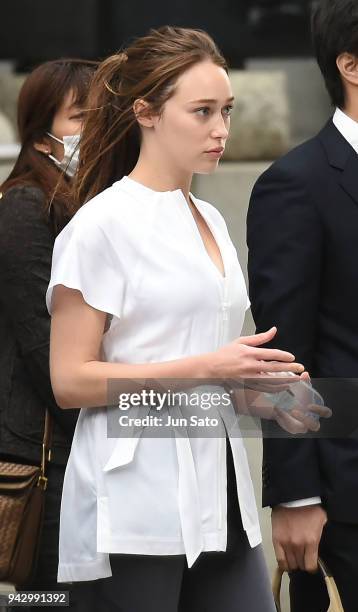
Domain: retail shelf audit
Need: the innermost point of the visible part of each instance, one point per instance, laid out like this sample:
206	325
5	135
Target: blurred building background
280	98
256	36
90	28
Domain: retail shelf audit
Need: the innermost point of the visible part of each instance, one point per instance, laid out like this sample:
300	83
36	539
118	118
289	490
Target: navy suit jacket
302	233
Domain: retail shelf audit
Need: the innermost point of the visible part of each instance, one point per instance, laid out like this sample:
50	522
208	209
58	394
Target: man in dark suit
303	272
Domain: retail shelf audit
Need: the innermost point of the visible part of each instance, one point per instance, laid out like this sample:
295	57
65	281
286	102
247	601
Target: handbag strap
336	603
335	600
46	450
48	430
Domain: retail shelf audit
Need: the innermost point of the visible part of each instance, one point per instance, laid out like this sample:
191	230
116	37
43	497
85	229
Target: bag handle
46	450
334	598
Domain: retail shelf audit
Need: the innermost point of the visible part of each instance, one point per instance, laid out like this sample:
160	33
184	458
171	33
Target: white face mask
69	163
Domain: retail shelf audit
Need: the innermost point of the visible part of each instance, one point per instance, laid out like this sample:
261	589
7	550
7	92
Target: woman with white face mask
71	152
50	102
146	285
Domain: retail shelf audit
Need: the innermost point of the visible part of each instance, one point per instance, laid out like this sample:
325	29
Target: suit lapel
349	180
341	156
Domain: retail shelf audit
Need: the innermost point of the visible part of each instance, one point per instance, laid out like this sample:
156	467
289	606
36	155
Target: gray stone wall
309	106
260	121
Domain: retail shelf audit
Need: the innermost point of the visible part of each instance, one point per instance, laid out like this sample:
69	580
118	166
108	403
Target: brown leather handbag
22	497
335	604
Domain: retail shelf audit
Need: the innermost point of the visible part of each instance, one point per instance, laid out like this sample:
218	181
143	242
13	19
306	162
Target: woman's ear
143	114
347	65
43	146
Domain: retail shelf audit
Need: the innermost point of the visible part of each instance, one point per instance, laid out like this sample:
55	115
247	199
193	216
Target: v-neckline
129	182
221	275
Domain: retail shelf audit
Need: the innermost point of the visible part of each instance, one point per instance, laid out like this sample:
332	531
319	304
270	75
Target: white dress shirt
347	127
137	254
349	130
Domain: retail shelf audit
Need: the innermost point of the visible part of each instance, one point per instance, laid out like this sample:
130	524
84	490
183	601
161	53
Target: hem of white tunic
101	568
92	569
159	546
254	536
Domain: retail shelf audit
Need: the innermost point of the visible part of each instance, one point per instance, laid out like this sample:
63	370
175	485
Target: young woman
146	284
50	111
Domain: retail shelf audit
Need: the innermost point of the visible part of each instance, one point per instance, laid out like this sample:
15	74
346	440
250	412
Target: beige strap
335	600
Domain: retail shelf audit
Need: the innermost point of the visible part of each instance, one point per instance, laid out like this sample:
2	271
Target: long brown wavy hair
148	70
41	95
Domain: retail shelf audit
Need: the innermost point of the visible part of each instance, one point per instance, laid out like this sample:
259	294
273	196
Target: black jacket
26	244
303	252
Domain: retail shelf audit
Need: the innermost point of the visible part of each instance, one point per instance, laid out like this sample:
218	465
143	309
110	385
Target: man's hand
296	534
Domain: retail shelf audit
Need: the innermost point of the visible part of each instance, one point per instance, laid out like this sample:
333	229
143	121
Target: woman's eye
78	116
228	110
203	112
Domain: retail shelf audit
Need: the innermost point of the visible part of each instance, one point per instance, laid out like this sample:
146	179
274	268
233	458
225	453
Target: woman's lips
215	152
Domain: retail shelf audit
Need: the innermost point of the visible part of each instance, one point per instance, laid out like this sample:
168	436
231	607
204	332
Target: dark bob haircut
334	31
42	94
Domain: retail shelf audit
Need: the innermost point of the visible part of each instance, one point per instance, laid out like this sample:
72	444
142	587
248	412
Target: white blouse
138	255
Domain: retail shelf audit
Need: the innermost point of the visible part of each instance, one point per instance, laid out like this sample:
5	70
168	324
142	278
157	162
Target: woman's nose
220	129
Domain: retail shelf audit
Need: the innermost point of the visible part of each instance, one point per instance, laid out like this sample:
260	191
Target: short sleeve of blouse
86	259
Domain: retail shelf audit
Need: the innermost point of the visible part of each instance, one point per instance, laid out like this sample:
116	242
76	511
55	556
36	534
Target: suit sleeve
26	245
284	238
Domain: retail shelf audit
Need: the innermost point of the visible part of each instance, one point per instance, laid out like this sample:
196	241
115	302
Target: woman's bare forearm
86	386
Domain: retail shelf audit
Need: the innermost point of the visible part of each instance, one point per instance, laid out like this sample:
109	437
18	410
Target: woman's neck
159	178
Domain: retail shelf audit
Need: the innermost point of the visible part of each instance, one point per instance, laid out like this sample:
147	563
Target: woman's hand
244	358
305	414
304	407
300	420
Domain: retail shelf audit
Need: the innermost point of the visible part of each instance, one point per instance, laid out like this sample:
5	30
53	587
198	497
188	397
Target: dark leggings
231	581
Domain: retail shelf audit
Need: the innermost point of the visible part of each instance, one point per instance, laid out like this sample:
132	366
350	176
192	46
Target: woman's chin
208	168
